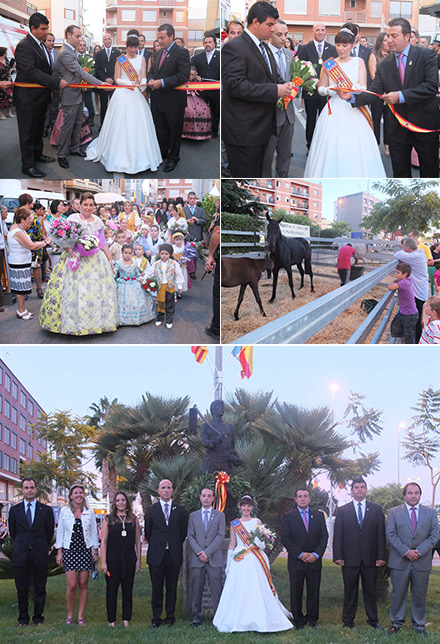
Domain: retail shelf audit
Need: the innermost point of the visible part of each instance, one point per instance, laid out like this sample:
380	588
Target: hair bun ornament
246	497
347	31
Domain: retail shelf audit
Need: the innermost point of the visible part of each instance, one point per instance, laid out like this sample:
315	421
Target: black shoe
348	626
377	626
312	625
195	624
44	159
33	172
63	162
421	631
169	621
393	629
45	133
299	627
78	153
91	123
169	166
193	276
156	623
23	624
215	135
179	296
210	331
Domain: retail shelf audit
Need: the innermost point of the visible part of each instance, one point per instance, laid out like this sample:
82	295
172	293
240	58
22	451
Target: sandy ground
338	332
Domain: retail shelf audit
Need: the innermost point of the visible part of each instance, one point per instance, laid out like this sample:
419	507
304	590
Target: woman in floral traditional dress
82	301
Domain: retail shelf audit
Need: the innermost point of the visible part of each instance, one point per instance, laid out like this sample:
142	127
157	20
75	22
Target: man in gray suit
281	142
72	98
412	531
206	532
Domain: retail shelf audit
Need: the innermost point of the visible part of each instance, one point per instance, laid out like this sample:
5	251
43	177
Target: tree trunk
112	482
105	478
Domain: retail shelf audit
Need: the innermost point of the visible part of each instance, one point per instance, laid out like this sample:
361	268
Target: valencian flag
200	353
245	356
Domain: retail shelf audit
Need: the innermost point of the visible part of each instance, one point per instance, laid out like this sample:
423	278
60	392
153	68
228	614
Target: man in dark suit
359	547
304	534
195	216
142	51
281	142
207	64
34	66
315	51
105	62
166	525
359	50
251	88
412	532
31	526
414	98
54	105
170	67
206	533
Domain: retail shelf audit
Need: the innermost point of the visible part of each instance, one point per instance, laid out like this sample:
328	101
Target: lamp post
333	388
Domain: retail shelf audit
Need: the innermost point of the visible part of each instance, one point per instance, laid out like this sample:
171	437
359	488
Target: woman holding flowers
342	127
80	298
249	601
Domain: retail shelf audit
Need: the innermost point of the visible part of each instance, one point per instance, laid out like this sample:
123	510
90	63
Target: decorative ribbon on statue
220	490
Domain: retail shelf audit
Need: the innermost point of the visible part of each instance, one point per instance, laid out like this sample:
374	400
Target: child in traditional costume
139	258
168	275
135	305
184	253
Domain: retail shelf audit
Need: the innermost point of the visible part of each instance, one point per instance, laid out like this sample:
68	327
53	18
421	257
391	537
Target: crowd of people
119	265
400	73
247	600
137	98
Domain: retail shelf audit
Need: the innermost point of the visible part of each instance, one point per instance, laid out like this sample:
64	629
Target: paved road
198	160
193	314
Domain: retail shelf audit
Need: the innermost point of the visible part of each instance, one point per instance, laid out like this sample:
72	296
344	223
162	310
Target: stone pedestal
186	582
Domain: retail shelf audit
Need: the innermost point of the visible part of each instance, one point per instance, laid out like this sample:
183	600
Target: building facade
61	14
296	196
19	440
351	209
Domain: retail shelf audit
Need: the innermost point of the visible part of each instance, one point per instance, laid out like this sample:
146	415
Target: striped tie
265	56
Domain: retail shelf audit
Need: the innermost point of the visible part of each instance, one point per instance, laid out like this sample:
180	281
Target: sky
391	378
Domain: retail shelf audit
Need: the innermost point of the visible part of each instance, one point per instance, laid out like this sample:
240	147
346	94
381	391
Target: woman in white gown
127	141
249	601
343	143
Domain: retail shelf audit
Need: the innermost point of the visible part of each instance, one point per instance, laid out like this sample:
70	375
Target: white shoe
169	325
158	323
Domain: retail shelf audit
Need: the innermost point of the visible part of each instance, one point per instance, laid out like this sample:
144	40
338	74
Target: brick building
19	441
296	196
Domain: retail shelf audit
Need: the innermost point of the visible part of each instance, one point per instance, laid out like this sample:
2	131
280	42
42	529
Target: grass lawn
97	632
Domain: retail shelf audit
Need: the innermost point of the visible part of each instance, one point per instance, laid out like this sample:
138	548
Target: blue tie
29	515
360	514
265	56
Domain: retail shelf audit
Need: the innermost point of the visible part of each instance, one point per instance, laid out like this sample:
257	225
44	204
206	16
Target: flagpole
218	373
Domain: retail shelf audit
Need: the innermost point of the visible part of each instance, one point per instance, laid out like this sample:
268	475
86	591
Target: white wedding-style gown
127	141
247	602
343	143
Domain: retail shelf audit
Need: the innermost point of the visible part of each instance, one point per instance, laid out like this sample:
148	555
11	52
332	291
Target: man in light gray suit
206	532
281	142
72	98
412	531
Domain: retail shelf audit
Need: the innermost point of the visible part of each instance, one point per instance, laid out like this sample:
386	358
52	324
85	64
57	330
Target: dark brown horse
244	271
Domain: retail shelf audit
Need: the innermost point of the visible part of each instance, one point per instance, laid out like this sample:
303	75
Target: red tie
162	58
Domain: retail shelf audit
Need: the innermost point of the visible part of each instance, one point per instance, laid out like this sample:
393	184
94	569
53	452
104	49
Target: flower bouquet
179	227
149	284
64	233
85	247
261	537
200	249
303	75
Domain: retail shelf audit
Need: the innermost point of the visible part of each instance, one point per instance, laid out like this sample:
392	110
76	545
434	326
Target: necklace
123	520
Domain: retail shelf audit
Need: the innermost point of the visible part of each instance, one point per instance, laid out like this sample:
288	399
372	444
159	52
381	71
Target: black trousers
344	275
167	573
88	102
30	131
351	576
427	151
312	578
419	305
213	99
120	576
34	569
52	110
170	307
169	128
246	161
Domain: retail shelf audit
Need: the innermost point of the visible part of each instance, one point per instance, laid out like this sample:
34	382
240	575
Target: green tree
413	205
387	496
337	229
422	441
236	199
105	462
68	438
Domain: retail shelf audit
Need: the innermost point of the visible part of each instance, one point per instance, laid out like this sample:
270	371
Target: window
31	407
22	423
149	15
315	193
1	375
180	16
128	15
13	440
295	6
0	432
6	436
376	9
14	390
195	35
150	37
329	7
30	452
69	14
7	382
6	462
2	485
315	204
38	457
23	400
13	465
400	9
1	404
278	184
22	447
7	409
14	415
44	443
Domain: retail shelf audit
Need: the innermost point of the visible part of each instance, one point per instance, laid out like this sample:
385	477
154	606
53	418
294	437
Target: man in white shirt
412	531
416	258
206	532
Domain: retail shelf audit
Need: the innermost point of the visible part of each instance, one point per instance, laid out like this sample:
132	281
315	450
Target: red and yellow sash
246	538
128	68
338	76
204	85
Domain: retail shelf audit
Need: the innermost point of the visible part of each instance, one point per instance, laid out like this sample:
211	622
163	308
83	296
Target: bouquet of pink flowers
85	247
64	233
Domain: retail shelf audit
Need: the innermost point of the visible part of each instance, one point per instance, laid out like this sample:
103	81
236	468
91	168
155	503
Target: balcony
167	4
356	16
31	8
267	199
269	185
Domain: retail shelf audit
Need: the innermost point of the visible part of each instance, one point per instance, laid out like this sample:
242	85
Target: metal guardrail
299	326
364	329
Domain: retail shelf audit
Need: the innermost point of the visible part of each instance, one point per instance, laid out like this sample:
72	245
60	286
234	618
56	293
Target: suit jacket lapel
39	50
409	64
259	56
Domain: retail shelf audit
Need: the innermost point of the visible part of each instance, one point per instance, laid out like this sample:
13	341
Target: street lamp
399	427
333	388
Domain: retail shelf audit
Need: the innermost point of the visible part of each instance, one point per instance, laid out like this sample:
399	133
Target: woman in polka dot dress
78	548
